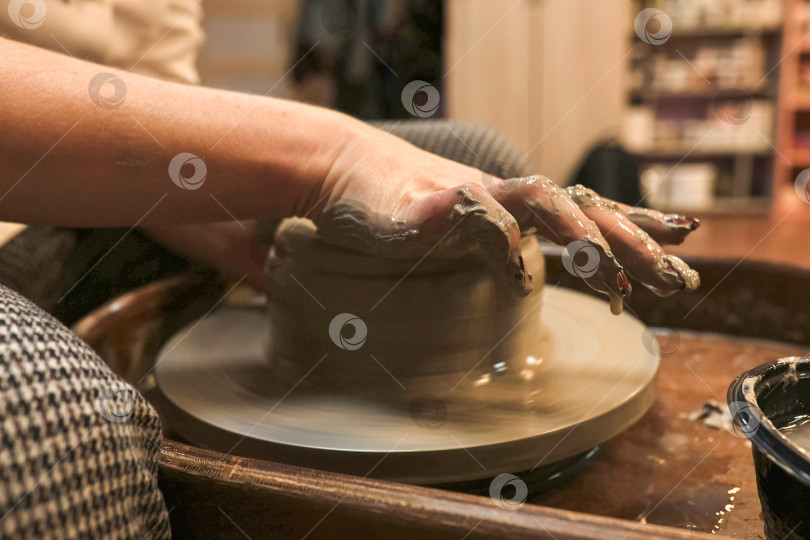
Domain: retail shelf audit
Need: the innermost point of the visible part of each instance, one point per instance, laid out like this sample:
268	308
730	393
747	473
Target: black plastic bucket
761	401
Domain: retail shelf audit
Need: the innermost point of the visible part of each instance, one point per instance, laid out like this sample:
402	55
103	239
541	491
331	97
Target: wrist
346	140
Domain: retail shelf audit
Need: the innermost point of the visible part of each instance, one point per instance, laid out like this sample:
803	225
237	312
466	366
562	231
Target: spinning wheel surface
594	379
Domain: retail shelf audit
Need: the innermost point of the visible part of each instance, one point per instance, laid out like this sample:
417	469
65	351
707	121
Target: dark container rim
765	436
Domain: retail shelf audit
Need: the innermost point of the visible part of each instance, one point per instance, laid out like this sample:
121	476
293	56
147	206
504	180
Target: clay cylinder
348	321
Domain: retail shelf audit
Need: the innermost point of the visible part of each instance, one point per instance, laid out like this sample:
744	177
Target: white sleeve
160	38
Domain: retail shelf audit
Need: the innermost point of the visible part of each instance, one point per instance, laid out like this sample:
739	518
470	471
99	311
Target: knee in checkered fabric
471	144
78	446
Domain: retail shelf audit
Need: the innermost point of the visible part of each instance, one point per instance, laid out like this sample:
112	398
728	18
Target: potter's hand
234	249
632	232
579	214
385	197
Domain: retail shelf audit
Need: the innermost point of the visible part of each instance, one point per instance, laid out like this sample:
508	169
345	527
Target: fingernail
683	221
688	279
521	279
623	283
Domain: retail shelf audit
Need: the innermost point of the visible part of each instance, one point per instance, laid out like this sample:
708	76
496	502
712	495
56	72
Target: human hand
387	198
235	249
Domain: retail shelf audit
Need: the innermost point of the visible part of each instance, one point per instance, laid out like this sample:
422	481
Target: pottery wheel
595	379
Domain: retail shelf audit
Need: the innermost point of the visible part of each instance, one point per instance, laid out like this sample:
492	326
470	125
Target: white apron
160	38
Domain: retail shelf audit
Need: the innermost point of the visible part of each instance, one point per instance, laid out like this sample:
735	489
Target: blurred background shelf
799	157
726	32
712	94
794	113
702	105
685	154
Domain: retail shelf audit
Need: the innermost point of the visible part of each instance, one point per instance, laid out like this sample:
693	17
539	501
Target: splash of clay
616	304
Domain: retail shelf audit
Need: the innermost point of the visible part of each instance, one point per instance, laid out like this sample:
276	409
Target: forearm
69	161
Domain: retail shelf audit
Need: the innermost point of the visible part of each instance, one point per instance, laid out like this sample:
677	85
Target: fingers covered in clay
639	252
663	228
468	216
354	225
537	202
447	223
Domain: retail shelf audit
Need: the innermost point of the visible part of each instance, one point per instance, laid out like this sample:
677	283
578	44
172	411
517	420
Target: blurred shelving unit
702	93
794	115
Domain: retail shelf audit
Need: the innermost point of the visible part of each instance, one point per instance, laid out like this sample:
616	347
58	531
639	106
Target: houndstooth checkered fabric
78	446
